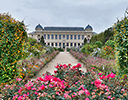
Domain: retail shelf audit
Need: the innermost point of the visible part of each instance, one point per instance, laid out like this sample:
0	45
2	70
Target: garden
20	59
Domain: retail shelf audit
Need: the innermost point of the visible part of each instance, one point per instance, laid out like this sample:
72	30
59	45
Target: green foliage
85	41
110	43
60	49
42	41
12	39
31	41
87	49
98	44
121	44
103	36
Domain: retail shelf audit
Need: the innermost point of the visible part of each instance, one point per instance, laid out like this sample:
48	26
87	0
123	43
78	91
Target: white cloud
101	14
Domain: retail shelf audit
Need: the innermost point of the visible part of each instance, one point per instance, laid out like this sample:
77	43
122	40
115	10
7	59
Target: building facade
62	36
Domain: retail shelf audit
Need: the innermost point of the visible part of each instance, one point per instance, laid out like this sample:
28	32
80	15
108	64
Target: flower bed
69	83
29	67
100	64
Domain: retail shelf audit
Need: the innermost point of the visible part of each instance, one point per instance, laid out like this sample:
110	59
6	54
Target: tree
31	41
85	41
42	41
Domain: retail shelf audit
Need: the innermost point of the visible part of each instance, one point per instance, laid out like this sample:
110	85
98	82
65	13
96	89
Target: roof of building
65	28
38	27
88	27
94	33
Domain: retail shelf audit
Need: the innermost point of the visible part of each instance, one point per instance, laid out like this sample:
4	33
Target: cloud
100	14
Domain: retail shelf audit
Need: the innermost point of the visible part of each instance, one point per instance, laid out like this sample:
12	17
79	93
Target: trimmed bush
98	44
121	44
12	39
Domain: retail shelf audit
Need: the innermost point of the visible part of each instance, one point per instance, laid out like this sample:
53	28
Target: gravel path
61	58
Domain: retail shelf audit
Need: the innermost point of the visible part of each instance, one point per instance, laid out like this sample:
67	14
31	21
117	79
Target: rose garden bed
70	83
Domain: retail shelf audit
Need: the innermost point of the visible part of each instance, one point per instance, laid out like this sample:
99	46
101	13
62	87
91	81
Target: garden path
61	58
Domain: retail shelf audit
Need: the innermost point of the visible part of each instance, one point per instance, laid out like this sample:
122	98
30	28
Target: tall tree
42	41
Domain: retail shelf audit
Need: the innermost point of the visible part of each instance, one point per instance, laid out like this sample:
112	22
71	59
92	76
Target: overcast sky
100	14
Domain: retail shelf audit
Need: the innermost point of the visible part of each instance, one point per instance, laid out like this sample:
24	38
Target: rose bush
69	82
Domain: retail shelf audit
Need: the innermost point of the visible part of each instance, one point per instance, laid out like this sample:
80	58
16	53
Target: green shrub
98	44
110	43
12	39
121	44
31	41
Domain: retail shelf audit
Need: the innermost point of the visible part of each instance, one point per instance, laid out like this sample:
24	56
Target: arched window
52	44
88	35
59	44
75	44
71	44
56	44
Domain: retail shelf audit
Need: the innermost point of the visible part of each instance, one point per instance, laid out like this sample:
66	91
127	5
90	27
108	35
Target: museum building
62	36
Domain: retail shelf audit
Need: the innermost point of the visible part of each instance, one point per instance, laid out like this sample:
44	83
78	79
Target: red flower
42	87
41	79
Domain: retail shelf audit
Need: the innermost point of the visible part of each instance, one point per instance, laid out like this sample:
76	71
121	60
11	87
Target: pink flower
14	97
42	87
57	93
78	65
55	72
91	82
97	83
100	74
18	79
41	79
86	98
109	97
29	87
86	92
36	93
112	75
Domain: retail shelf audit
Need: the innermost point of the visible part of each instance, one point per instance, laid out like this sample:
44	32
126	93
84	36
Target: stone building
62	36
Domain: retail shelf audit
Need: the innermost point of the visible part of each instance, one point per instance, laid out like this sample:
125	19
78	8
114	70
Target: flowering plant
69	82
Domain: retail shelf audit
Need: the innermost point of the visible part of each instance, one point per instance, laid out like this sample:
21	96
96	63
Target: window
48	36
38	39
48	43
56	44
71	44
63	36
75	37
70	36
75	44
52	44
38	35
88	35
67	44
55	36
78	44
32	35
59	44
59	36
67	37
63	44
44	36
52	36
78	37
82	36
